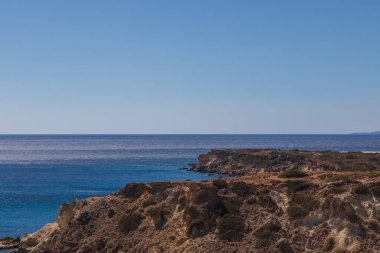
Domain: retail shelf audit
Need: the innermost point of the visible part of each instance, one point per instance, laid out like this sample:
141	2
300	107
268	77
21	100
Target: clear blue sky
189	66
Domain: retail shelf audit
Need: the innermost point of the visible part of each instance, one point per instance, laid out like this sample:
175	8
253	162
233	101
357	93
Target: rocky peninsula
250	162
275	201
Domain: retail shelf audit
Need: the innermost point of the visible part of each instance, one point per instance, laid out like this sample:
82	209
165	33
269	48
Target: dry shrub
130	222
292	174
307	201
266	233
329	243
295	186
339	250
240	188
296	212
220	183
338	190
361	190
375	188
231	227
373	225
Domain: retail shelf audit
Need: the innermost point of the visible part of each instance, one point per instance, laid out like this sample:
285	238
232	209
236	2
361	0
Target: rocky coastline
275	201
252	161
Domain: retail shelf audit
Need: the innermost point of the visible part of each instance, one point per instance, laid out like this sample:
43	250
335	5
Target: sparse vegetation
329	243
361	190
374	174
339	250
202	197
231	227
306	201
193	212
266	233
220	183
295	186
292	174
133	190
267	202
351	216
262	191
251	201
335	177
150	201
232	205
130	222
373	225
296	212
375	188
240	188
338	190
110	213
220	208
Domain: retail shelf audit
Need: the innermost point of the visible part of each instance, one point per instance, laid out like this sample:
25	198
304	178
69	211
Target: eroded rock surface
326	210
261	214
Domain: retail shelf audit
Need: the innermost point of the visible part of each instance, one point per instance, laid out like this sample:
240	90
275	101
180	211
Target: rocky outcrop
324	209
251	162
318	213
9	243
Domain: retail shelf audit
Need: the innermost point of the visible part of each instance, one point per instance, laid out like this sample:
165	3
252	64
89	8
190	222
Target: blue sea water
40	172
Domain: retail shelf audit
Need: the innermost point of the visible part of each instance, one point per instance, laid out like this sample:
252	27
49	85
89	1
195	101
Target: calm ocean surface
38	173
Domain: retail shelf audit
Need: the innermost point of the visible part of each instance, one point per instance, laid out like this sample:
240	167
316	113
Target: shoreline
244	164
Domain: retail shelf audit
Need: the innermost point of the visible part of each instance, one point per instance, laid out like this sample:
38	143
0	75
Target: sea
40	172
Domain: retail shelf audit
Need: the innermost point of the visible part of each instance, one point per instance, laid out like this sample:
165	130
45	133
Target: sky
190	67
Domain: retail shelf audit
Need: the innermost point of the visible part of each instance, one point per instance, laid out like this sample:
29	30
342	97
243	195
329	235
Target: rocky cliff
316	211
251	162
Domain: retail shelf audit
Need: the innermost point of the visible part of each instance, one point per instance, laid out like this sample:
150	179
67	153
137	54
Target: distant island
375	132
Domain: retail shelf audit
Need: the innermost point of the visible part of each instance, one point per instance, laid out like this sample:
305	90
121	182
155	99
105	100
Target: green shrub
130	222
230	227
240	188
292	174
220	183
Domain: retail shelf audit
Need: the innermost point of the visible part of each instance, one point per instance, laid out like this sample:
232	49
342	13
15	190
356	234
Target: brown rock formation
321	212
253	161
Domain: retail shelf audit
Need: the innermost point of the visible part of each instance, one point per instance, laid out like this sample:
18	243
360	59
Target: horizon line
350	133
